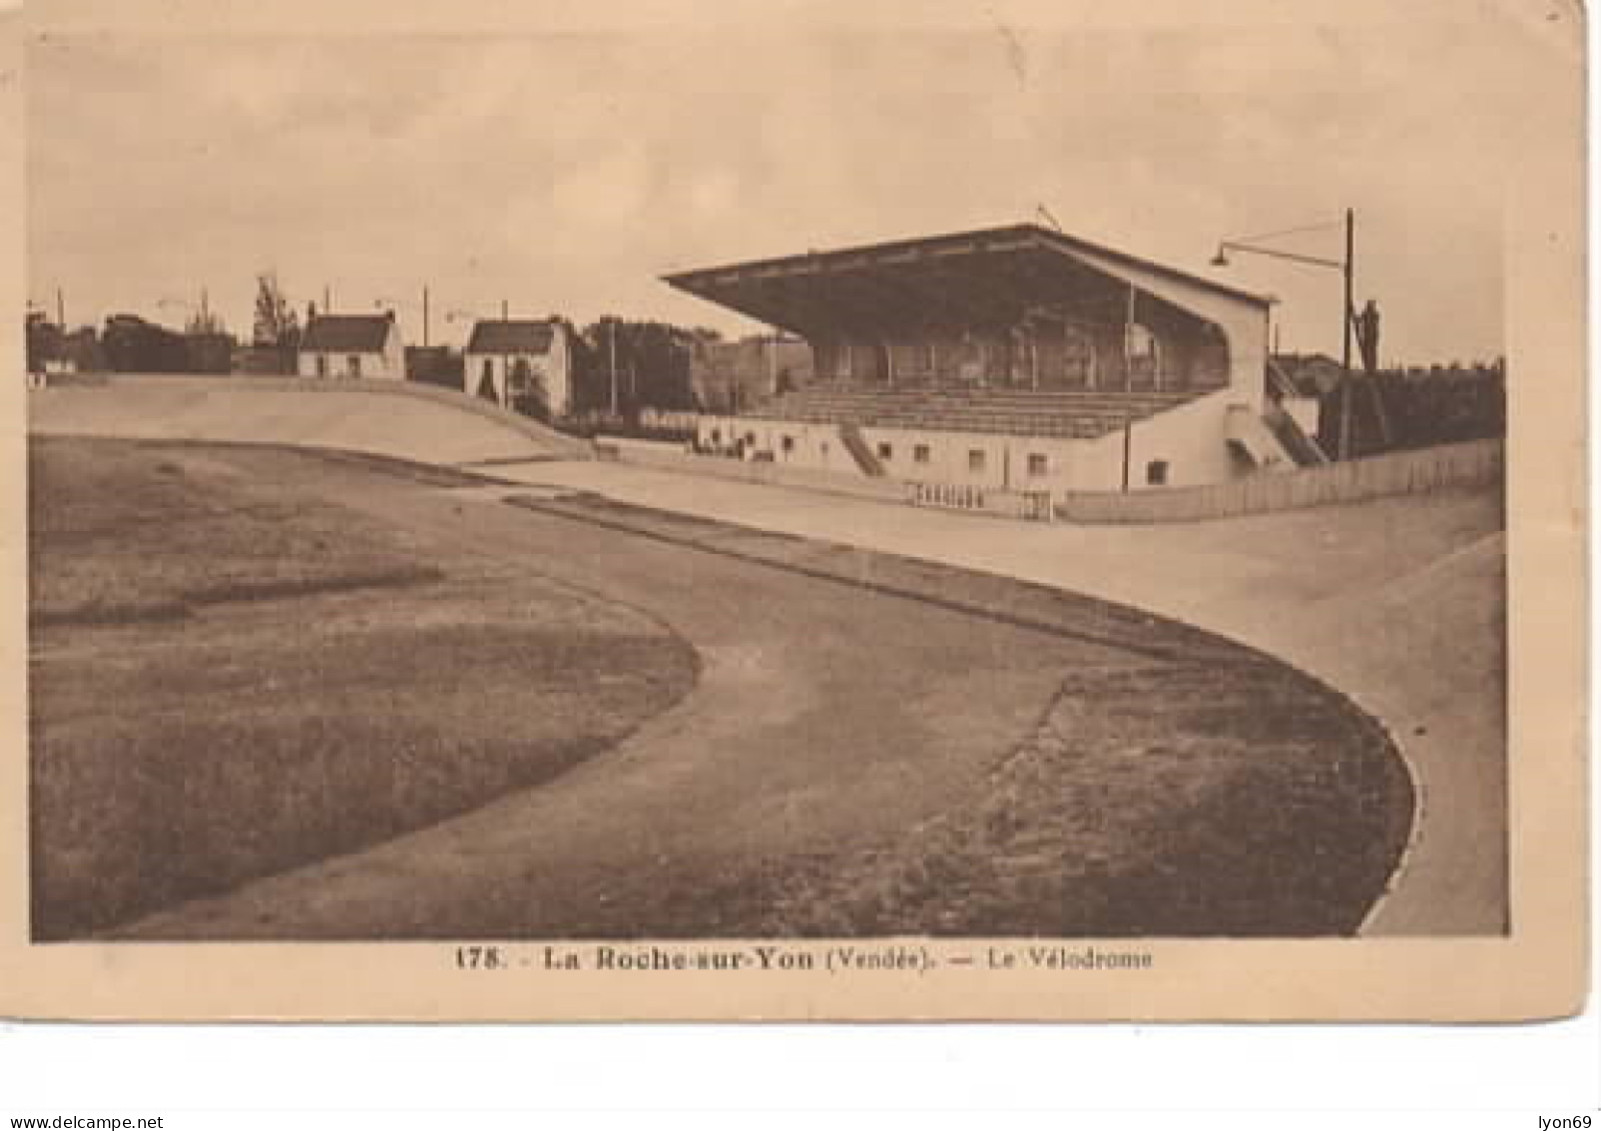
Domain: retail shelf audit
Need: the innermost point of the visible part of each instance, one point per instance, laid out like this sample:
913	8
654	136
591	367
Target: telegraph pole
611	349
1345	321
61	310
425	317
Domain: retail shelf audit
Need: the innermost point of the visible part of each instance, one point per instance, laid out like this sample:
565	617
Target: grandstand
1014	358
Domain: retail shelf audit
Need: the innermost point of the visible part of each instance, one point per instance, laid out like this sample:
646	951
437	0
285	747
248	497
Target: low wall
1477	463
672	457
1473	464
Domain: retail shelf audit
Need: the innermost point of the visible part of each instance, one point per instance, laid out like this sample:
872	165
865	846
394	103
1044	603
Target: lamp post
1250	246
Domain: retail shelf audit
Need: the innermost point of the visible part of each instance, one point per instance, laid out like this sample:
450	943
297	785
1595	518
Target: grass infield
228	680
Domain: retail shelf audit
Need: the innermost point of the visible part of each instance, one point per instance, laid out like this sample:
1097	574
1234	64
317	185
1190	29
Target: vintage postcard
673	511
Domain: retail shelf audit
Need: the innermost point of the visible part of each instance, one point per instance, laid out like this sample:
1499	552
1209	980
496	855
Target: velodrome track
401	421
1308	587
1398	603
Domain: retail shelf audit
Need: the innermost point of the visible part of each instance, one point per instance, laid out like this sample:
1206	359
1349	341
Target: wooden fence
1032	506
1472	464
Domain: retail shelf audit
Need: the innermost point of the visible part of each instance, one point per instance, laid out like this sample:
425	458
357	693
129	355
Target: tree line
1419	407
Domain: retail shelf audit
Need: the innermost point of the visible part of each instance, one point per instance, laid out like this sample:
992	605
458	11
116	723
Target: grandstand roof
991	274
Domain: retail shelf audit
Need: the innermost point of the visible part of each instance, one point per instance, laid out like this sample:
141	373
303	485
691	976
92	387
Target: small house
520	364
353	345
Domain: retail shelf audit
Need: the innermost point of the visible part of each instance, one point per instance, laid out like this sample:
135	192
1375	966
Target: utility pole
611	345
61	310
1128	344
327	302
1346	267
1128	445
1345	322
505	311
425	317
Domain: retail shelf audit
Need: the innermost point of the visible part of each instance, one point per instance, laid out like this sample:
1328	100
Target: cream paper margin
1539	971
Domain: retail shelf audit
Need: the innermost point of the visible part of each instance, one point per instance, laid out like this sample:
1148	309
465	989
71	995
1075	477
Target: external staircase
851	436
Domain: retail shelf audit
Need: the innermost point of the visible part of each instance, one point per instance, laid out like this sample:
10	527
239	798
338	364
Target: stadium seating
1076	414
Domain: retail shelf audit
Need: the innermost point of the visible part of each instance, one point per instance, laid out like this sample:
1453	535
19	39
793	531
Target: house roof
352	333
990	273
526	335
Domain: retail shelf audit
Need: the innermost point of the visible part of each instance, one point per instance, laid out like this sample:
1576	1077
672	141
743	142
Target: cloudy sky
566	172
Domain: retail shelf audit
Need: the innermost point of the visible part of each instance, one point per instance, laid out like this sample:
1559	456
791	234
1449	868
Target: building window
1156	473
920	453
885	451
322	365
788	443
353	365
975	459
717	435
1038	464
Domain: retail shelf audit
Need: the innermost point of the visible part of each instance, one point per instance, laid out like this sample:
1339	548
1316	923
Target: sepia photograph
949	499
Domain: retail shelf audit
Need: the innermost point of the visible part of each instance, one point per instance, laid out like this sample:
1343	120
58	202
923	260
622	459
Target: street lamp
1250	246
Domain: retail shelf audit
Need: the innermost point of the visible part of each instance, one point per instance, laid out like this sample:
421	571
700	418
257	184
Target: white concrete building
353	345
522	364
